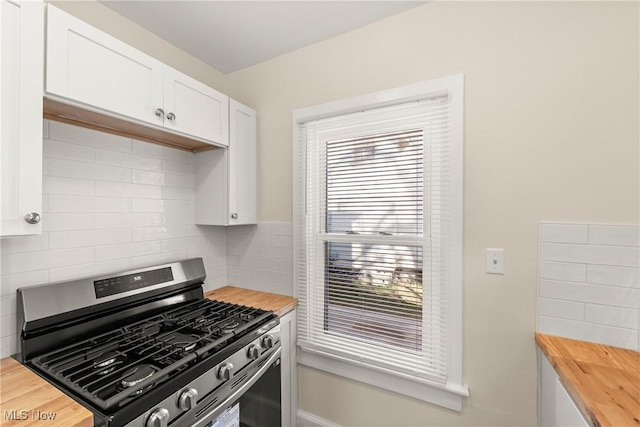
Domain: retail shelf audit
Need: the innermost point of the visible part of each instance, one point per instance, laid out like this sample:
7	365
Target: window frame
450	394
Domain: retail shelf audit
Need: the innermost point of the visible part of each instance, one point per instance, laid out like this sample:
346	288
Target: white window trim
451	394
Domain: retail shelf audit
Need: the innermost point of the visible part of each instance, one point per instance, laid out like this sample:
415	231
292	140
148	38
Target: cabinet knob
32	218
171	116
234	216
159	112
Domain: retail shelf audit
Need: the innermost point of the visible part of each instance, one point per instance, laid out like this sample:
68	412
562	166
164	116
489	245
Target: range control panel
119	284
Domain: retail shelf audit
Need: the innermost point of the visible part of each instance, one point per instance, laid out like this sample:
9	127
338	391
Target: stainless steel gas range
145	348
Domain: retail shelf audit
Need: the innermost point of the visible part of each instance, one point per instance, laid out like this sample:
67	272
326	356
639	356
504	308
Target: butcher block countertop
603	381
31	401
27	400
280	304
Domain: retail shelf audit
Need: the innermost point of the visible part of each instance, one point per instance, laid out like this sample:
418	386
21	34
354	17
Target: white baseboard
307	419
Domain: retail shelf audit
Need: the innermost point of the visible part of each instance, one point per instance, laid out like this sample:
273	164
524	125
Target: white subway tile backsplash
31	261
71	239
260	257
614	276
177	180
159	258
597	294
68	221
119	189
158	233
86	270
152	150
127	250
68	186
564	233
614	235
128	160
563	271
71	204
561	308
147	177
586	331
85	170
69	133
134	219
176	167
590	289
612	316
176	193
591	254
64	150
178	218
7	325
37	242
8	304
9	283
9	344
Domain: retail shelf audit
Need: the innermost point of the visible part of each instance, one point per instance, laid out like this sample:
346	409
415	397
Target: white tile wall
110	204
261	257
589	283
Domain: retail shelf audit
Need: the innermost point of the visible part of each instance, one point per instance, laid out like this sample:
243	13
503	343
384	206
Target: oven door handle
239	392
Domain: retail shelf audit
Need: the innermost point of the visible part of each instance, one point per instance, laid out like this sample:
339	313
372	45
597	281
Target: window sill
446	395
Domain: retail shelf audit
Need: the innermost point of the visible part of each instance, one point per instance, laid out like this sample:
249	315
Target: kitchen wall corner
109	204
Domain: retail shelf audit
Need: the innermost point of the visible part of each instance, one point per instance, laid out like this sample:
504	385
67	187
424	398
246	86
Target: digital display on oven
130	282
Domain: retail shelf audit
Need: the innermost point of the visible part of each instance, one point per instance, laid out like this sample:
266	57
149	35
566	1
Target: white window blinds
372	230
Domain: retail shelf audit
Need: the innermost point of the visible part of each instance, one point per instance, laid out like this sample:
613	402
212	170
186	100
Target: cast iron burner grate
113	368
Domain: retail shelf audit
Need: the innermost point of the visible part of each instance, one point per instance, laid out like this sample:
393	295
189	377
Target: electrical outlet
495	261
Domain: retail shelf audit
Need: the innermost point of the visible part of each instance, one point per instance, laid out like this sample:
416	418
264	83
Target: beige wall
122	28
551	133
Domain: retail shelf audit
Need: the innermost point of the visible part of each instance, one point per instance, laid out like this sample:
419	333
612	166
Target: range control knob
253	352
188	399
267	342
158	418
224	373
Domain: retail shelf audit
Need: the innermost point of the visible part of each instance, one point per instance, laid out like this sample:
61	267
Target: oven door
254	402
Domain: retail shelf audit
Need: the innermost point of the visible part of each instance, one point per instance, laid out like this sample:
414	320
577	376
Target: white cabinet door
242	164
226	178
21	65
93	69
289	382
556	406
194	108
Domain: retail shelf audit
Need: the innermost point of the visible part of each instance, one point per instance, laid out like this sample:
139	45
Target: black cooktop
113	368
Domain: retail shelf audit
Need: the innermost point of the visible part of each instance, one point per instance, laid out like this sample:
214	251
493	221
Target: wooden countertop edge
280	304
591	402
23	390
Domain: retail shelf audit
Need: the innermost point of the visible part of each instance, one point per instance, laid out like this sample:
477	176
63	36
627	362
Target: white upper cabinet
226	179
242	164
93	70
90	67
194	108
21	65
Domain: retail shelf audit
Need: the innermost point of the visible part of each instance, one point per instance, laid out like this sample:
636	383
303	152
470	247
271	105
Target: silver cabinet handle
159	112
234	216
32	218
171	116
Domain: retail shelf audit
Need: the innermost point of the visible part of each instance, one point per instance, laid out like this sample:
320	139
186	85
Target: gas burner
185	342
136	375
229	327
105	359
107	362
